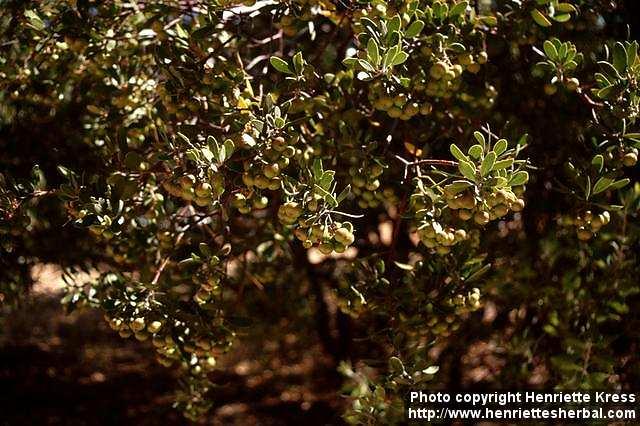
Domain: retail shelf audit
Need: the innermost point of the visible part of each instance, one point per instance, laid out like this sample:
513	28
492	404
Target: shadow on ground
73	370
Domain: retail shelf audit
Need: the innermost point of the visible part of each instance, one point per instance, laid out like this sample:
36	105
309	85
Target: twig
156	277
588	100
431	162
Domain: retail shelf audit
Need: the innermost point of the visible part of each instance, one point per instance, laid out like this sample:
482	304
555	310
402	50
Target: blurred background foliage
358	197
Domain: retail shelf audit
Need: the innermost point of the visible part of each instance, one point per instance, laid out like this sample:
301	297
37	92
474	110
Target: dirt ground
72	369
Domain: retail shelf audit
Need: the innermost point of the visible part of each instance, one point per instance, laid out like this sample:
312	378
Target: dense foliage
409	178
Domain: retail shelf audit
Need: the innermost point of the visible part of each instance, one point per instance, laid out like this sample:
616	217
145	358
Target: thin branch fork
417	163
430	162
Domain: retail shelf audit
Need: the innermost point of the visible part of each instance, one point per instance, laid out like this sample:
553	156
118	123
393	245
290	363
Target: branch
431	162
156	277
588	100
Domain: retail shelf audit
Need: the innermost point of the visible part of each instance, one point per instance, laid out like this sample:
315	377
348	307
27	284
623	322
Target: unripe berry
137	324
442	250
400	99
550	89
429	243
188	193
283	162
465	214
238	199
187	181
300	234
271	170
449	75
261	182
141	336
274	184
203	190
438	70
202	202
260	202
394	112
500	210
465	59
481	217
289	152
385	103
358	181
473	68
247	179
518	205
317	233
339	248
279	144
630	159
467	201
344	236
115	324
584	234
325	248
572	84
210	362
289	212
373	185
376	170
426	108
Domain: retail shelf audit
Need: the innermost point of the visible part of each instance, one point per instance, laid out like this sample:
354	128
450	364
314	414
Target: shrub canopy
411	179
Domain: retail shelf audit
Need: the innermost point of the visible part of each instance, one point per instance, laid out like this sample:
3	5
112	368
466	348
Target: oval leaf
467	169
414	29
487	163
540	19
601	185
500	146
372	52
480	138
519	178
280	65
476	151
457	152
400	58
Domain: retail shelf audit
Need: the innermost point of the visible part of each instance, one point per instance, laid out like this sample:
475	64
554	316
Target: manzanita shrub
443	173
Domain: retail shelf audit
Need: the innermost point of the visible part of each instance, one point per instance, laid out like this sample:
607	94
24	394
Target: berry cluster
465	205
264	171
246	204
445	74
202	190
587	224
330	237
366	185
398	105
484	208
175	341
442	324
488	187
433	235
